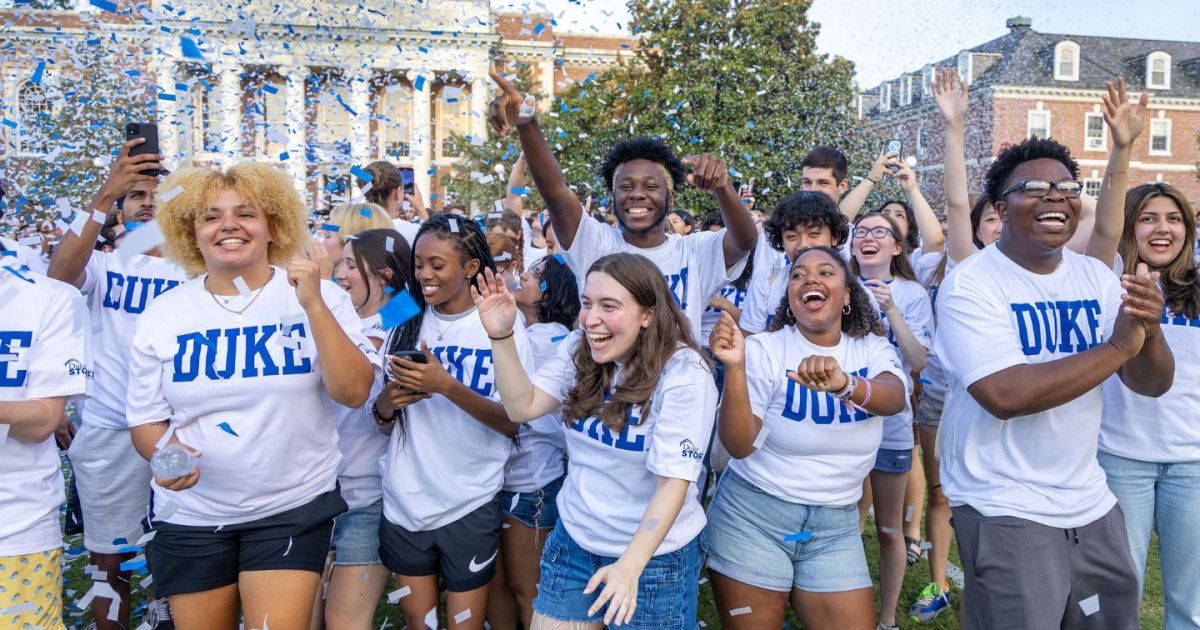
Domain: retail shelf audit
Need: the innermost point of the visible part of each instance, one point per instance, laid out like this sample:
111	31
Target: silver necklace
237	314
437	317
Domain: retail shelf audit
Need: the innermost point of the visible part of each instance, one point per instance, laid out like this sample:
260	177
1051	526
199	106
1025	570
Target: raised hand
904	175
709	172
497	307
1124	119
950	94
510	107
882	165
882	293
726	341
126	170
820	374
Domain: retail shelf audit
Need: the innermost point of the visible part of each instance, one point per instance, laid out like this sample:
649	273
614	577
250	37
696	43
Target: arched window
33	112
1158	71
1066	61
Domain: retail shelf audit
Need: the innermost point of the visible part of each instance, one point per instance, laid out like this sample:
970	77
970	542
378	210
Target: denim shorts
667	589
537	509
929	408
356	535
747	528
893	461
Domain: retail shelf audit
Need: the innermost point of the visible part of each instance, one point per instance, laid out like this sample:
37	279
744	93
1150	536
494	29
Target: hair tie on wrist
502	337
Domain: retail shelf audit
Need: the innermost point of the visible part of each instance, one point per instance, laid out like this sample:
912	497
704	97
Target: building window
453	111
964	67
927	80
1093	132
199	115
885	97
921	140
269	111
33	114
1091	187
1066	61
1160	136
1039	124
331	129
394	120
906	90
1158	71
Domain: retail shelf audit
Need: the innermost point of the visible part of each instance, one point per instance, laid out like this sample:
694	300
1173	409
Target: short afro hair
1010	158
642	148
803	209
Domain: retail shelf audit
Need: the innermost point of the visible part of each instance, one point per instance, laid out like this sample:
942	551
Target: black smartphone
416	356
894	146
406	176
149	131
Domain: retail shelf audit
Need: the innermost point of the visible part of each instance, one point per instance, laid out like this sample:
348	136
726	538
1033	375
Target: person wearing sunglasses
1027	332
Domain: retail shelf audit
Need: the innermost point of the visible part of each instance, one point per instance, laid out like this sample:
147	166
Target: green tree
738	78
481	176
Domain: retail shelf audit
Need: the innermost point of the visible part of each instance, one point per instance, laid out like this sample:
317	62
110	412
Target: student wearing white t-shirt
112	480
450	436
242	365
402	201
1150	447
638	402
801	415
346	220
799	221
24	257
1027	333
548	300
45	362
642	175
375	266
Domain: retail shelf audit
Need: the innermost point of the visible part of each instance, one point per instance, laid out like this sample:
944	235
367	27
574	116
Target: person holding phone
242	365
395	191
450	436
113	481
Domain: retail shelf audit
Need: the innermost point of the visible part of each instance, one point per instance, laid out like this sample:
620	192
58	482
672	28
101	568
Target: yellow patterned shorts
30	591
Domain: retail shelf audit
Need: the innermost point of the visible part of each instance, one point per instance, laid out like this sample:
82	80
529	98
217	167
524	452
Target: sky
885	39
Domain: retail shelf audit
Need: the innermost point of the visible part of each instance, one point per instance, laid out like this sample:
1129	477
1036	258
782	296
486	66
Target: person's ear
647	317
842	187
1001	208
471	268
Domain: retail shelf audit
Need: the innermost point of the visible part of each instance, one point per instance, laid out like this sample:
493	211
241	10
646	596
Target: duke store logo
688	449
76	367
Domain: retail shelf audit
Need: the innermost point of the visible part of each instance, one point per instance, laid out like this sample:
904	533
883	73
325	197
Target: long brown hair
1180	279
656	344
900	267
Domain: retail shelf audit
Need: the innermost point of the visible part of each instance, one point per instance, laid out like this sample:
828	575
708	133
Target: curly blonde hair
260	185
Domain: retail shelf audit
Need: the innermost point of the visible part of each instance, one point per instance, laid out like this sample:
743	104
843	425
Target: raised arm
927	225
854	200
1125	121
951	97
417	202
75	250
710	174
516	179
737	426
561	202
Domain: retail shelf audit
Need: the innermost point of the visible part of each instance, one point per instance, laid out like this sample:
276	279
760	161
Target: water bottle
172	461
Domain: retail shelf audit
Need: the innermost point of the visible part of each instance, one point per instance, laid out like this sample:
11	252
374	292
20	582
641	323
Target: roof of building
1025	57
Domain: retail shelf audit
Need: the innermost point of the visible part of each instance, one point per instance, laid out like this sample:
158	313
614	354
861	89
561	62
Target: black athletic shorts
190	559
463	552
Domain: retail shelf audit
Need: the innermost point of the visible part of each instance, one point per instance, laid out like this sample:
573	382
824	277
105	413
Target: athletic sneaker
930	603
158	616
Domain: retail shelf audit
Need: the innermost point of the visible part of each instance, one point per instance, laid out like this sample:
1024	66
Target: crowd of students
516	422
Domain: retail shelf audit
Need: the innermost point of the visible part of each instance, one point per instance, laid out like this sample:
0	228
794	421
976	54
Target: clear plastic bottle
172	461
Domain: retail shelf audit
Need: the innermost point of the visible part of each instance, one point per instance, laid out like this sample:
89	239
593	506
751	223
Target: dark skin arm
710	174
562	204
1136	351
432	378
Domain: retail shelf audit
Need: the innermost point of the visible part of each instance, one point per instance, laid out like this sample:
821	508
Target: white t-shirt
914	305
933	377
248	397
712	314
531	255
117	294
45	356
817	450
540	454
442	463
693	265
611	478
27	256
767	287
360	441
994	314
407	229
1163	429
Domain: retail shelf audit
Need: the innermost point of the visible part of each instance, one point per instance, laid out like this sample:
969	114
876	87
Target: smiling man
1027	331
643	176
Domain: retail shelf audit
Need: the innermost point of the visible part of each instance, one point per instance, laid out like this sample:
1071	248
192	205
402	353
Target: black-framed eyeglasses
878	232
1040	188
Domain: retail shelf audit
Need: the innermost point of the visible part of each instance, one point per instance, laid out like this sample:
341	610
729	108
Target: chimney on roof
1020	21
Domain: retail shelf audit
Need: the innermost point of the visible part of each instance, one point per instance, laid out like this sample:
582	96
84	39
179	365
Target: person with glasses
1027	332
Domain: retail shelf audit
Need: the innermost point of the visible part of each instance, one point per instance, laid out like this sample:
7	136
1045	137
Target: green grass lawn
76	584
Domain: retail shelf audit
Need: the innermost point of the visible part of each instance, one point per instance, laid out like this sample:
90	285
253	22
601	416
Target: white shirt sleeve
592	240
756	309
975	337
556	375
918	314
145	400
60	364
93	273
684	414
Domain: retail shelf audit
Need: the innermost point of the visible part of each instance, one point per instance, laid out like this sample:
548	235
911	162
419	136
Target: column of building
419	133
230	99
168	104
297	122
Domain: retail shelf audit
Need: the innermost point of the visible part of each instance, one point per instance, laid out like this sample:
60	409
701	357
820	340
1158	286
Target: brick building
1028	83
312	86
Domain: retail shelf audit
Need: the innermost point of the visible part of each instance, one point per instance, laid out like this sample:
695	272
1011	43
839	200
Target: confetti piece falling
362	174
1091	605
189	49
798	537
744	610
224	426
761	438
171	194
908	514
104	5
431	619
401	308
395	596
289	547
242	287
140	241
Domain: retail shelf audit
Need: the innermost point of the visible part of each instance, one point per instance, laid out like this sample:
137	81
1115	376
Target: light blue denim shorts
895	461
746	529
537	509
356	535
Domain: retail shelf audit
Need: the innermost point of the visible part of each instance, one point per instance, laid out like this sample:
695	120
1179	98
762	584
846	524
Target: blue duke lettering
595	429
247	352
678	285
461	363
820	407
732	294
1063	326
10	342
132	293
1172	319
